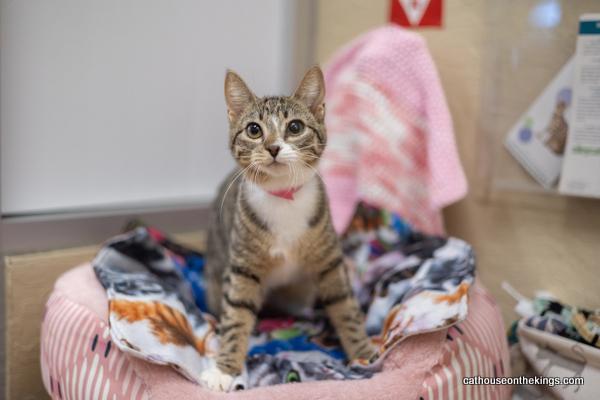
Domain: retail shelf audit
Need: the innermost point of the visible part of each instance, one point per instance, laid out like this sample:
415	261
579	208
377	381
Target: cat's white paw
214	379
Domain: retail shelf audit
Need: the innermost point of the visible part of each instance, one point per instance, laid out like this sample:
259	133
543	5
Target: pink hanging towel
390	136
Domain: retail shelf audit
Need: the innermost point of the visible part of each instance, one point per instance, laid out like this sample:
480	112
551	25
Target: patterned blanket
407	283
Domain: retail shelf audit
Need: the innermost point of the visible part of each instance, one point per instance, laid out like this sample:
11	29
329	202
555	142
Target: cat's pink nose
274	150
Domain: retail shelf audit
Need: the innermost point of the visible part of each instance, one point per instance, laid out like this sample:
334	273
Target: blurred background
114	109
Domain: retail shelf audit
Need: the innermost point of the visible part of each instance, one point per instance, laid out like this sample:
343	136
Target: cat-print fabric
406	283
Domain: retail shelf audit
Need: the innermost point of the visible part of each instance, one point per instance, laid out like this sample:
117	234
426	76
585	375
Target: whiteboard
120	102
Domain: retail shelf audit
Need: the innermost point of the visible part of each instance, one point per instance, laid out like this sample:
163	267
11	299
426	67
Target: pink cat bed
79	361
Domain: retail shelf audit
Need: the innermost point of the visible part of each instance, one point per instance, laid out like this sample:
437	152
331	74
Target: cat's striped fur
265	250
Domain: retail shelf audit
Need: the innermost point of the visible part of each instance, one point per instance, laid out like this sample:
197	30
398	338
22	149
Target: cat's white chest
287	221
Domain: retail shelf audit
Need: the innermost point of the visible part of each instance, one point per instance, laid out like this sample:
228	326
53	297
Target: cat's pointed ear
311	92
237	95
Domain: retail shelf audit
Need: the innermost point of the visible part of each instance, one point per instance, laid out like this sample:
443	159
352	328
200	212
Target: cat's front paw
368	355
215	379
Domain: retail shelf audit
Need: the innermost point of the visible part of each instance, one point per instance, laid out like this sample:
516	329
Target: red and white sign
415	13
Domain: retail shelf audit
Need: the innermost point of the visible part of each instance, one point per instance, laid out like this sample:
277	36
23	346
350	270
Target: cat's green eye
295	127
253	130
292	376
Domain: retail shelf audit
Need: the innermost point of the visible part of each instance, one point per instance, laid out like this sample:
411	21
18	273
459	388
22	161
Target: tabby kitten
271	240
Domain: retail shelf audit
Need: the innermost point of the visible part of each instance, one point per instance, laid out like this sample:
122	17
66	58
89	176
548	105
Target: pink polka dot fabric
390	136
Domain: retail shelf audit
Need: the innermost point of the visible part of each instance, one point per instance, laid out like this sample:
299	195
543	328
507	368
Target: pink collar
287	194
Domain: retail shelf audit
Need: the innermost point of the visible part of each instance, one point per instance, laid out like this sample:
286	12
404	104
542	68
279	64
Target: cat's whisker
237	176
314	169
295	175
291	172
292	177
255	177
250	176
310	145
302	172
311	156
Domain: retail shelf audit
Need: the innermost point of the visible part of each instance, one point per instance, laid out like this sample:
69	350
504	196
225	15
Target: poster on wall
537	140
416	13
581	166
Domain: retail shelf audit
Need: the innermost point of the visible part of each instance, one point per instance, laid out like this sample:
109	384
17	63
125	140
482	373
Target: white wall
108	103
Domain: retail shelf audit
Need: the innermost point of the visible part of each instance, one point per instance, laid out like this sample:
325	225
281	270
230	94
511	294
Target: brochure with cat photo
581	167
538	138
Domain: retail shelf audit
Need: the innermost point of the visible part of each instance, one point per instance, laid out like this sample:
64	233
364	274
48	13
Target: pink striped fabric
476	346
78	359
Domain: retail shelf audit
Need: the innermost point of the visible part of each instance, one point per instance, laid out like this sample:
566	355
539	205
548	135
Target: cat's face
277	139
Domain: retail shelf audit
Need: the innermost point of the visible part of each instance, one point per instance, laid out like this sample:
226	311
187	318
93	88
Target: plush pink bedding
79	361
390	141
